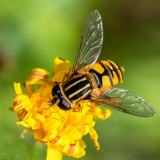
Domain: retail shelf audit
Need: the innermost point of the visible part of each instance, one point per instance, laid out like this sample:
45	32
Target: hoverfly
93	81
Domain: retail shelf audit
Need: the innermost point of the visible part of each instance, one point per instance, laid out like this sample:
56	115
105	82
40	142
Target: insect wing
90	42
125	101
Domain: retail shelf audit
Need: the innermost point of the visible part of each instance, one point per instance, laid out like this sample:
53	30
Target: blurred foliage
34	32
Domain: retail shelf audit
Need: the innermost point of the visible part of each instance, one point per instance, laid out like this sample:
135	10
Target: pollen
62	131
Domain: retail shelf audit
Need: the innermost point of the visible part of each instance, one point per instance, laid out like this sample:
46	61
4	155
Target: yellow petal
53	153
94	137
17	88
101	114
61	69
37	76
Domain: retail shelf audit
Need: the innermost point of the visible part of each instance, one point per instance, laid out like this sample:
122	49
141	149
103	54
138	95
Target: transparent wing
90	42
125	101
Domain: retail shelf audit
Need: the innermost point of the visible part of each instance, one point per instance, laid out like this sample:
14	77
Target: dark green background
34	32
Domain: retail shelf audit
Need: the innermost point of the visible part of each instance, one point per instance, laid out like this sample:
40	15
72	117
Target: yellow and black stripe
106	73
77	88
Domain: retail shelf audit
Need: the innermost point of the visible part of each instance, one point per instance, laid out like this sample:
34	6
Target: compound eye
64	104
56	90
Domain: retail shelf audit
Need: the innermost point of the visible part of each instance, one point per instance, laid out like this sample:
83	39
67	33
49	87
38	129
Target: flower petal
17	88
37	76
53	153
61	69
94	137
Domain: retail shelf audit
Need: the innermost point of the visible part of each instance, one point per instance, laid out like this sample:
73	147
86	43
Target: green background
34	32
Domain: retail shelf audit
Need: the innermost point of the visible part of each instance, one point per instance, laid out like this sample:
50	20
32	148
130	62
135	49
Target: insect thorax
77	88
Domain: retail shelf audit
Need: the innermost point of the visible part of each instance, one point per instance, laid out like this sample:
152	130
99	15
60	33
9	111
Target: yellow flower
60	130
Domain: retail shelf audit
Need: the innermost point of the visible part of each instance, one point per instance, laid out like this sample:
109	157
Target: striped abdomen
106	73
77	88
